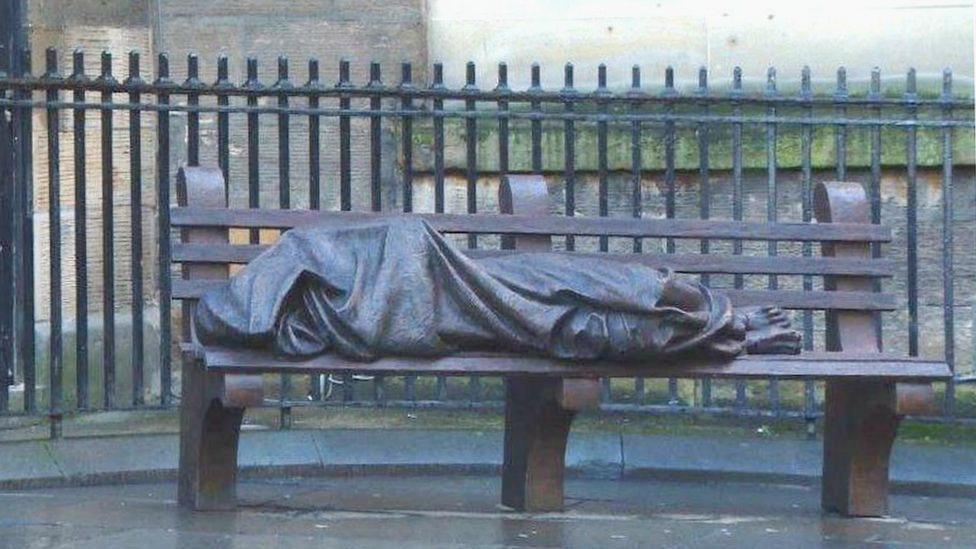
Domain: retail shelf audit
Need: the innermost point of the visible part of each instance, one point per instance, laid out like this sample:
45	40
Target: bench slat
787	299
682	263
545	225
807	365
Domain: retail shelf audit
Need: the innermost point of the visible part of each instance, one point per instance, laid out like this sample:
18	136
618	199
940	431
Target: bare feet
768	331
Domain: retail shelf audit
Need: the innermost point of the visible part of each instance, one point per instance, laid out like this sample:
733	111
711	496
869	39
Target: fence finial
375	78
313	73
51	63
469	77
252	74
343	73
568	79
438	82
406	75
502	86
78	65
771	81
282	81
841	83
536	74
134	77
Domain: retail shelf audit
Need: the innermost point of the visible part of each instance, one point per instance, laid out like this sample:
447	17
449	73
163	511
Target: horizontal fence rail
97	208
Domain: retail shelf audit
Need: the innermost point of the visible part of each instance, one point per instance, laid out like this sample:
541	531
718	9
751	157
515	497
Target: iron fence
660	151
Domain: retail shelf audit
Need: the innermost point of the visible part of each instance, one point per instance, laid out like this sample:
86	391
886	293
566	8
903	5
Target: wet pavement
462	511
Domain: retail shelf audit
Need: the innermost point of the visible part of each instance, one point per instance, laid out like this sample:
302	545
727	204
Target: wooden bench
866	391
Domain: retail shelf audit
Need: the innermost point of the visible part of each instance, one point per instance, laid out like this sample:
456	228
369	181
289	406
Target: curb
918	469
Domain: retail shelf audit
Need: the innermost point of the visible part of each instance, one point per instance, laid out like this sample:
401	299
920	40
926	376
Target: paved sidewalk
461	511
927	469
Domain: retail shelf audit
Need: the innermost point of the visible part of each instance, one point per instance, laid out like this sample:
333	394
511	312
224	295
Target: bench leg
209	434
860	423
536	430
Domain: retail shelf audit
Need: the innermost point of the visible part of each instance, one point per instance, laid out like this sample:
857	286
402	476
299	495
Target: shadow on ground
456	511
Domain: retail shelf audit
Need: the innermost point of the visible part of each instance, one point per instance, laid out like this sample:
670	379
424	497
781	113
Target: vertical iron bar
704	191
536	124
704	200
601	144
23	149
669	198
406	141
737	201
314	148
636	199
840	135
81	240
54	230
603	181
192	118
108	241
471	149
314	177
772	204
345	142
502	89
223	124
345	181
163	203
569	136
438	122
375	141
875	190
135	222
253	143
375	169
284	202
438	84
8	246
948	290
406	146
669	138
912	216
806	160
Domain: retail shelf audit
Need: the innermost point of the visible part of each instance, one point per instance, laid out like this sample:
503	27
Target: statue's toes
791	342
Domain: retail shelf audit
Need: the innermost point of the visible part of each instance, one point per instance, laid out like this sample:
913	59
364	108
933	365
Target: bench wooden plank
682	263
787	299
548	225
806	365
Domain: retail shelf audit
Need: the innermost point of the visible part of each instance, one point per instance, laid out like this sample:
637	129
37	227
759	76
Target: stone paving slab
453	511
72	461
21	461
785	459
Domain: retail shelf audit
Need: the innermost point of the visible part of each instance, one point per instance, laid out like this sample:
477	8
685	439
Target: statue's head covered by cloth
397	288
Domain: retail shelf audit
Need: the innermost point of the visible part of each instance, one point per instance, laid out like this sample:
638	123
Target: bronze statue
397	287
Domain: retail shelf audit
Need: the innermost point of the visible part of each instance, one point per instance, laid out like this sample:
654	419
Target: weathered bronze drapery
397	287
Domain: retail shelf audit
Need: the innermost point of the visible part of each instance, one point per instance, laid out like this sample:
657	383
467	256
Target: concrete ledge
932	470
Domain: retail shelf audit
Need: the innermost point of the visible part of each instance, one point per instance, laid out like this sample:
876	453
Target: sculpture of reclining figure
397	288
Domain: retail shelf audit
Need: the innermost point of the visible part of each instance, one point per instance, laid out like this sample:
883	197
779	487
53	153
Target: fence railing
415	146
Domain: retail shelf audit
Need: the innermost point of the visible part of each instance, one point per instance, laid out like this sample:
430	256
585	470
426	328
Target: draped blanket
397	287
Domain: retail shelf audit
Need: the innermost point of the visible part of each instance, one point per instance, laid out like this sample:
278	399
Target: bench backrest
843	232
